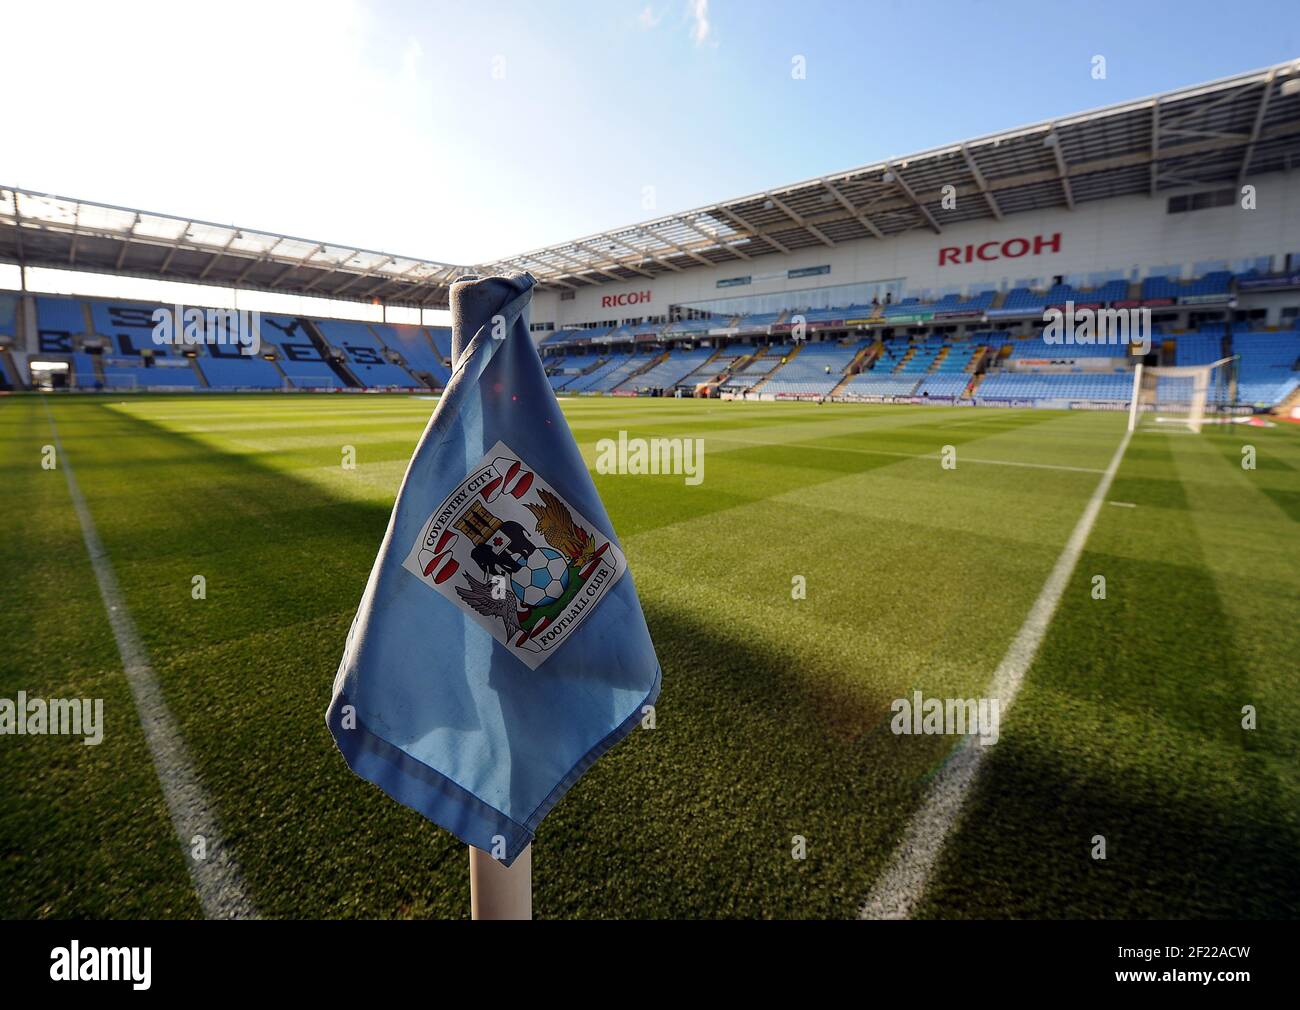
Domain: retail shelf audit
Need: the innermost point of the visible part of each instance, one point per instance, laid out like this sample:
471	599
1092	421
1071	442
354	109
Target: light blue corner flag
499	648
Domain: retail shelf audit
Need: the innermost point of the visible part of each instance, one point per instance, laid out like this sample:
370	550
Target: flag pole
497	891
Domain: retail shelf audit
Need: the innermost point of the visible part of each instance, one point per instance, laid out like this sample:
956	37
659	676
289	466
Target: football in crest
542	578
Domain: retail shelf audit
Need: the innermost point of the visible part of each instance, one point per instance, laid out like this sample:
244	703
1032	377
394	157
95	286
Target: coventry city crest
513	554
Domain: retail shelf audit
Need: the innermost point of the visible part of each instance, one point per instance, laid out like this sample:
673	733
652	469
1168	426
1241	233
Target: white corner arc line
900	888
218	882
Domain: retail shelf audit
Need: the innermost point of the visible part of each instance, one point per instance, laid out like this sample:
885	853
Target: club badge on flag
499	648
530	592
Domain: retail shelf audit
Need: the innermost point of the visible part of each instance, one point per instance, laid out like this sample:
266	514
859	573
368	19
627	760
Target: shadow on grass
1129	727
1174	849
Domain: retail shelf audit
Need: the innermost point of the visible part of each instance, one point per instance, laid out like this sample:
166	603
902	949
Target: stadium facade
919	277
1126	238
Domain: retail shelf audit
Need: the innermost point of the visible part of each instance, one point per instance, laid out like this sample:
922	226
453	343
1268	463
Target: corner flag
499	647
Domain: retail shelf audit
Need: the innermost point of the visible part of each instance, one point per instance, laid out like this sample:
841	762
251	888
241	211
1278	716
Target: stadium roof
1211	134
40	229
1214	134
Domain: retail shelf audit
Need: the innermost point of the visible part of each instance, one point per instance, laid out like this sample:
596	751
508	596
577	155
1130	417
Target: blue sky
467	131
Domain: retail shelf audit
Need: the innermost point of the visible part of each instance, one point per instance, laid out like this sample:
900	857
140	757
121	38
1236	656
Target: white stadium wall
1133	235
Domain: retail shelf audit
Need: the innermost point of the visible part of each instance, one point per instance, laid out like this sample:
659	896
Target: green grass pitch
774	717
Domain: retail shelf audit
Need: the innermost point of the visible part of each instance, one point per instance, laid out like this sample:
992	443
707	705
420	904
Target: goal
1179	397
294	381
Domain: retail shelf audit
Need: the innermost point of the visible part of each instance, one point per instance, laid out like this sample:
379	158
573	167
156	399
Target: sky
465	132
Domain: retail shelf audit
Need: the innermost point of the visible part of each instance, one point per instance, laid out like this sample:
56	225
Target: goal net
1181	397
311	380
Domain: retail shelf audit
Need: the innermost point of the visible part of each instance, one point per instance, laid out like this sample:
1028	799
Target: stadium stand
60	314
225	368
943	385
874	384
959	357
892	353
1037	347
1198	348
950	303
1111	291
584	383
813	317
1115	386
716	366
417	347
759	322
906	306
441	337
130	327
1213	283
669	372
299	357
815	370
559	338
682	326
922	356
1266	369
58	322
102	340
365	355
609	381
1023	300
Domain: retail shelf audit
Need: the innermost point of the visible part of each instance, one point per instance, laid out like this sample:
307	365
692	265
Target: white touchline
899	889
217	879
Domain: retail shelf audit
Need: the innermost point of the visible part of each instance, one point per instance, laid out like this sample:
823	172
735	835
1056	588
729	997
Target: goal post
1180	396
1137	394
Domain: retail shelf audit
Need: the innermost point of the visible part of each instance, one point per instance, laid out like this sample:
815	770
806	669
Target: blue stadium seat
943	385
227	368
875	384
365	355
1266	368
414	345
299	358
815	370
1112	386
61	314
669	372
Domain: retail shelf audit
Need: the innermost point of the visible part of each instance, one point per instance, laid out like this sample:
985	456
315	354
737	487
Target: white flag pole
498	892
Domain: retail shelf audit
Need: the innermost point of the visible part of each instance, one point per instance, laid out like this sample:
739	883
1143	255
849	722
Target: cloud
648	19
701	29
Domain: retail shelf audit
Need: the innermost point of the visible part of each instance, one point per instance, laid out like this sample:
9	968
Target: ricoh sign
1005	249
627	298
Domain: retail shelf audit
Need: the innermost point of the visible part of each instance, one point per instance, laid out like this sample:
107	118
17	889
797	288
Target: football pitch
774	721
